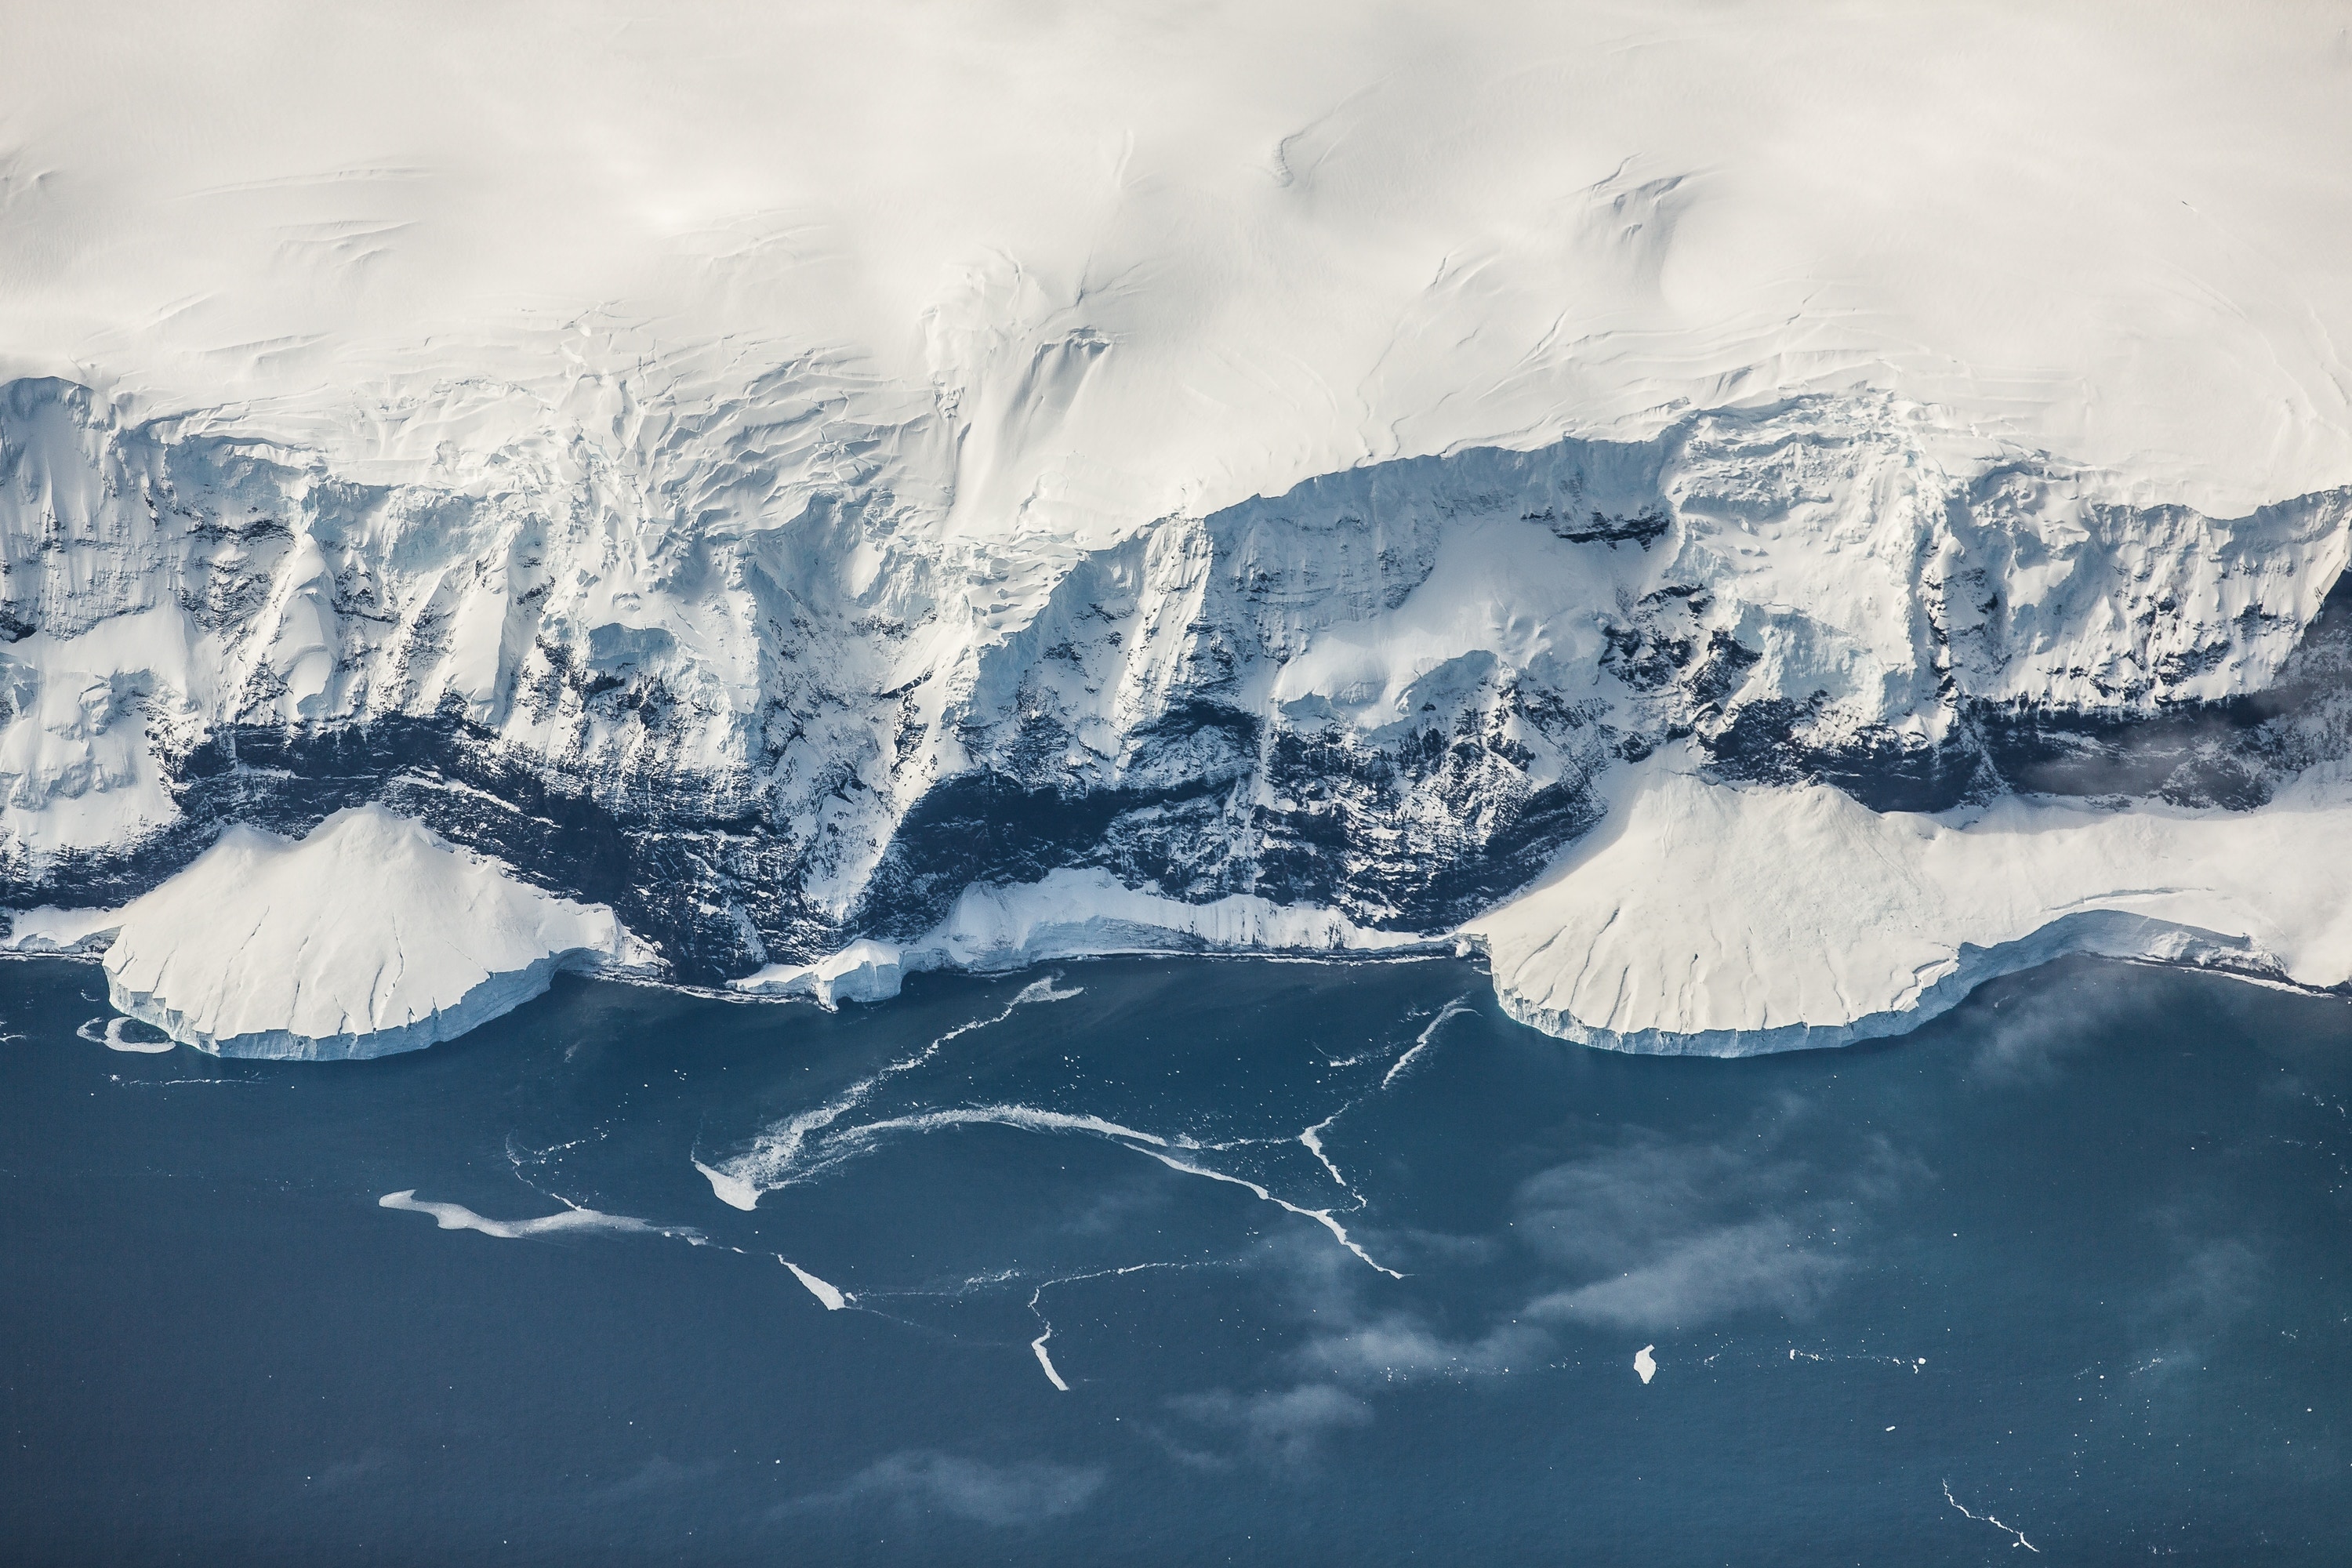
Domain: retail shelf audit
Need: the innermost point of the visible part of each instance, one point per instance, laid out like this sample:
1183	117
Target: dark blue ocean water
2071	1258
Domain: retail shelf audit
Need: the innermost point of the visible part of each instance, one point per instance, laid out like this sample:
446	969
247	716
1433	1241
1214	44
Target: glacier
369	936
1564	496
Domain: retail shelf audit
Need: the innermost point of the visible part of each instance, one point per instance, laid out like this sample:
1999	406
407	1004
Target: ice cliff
368	937
1310	510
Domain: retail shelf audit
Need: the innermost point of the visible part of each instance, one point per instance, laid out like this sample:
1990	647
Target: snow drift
1726	922
370	936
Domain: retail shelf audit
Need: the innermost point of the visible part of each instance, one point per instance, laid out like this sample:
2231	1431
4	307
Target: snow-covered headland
1753	520
368	937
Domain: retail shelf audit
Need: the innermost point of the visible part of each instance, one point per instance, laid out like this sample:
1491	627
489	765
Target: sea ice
457	1217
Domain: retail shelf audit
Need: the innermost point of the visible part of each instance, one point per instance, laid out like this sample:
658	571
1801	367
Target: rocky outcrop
732	674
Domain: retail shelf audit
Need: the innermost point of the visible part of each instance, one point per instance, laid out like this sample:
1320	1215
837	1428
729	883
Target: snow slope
370	936
788	475
1724	922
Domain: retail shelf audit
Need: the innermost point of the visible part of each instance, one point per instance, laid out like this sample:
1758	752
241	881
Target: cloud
1286	1425
1733	1268
1396	1345
1681	1233
920	1480
1620	1206
373	1466
2028	1035
1647	1234
2214	1285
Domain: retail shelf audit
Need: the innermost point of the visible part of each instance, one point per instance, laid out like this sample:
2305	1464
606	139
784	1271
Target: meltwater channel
1183	1261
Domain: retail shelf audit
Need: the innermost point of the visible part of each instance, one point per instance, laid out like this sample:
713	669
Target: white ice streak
1645	1365
1320	1217
573	1218
1313	1139
1038	1344
771	1160
1988	1519
112	1038
1459	1005
854	1141
833	1296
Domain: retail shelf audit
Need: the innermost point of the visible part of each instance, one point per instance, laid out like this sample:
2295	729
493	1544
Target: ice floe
834	1298
457	1217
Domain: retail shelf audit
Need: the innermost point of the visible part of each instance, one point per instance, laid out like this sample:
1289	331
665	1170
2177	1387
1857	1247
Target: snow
1709	918
369	936
793	410
1071	914
52	931
865	971
1075	914
1162	262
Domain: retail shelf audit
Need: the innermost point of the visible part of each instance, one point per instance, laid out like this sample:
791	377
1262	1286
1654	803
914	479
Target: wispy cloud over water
1022	1492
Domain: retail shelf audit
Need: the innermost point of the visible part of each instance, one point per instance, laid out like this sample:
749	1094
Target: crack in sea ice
1321	1216
1907	1363
1988	1519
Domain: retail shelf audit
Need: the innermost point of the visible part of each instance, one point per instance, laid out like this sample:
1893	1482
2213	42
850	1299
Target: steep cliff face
733	668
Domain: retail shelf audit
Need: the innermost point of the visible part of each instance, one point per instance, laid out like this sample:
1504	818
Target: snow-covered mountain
1297	506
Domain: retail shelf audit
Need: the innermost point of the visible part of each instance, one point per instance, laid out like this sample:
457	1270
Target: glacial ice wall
780	713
